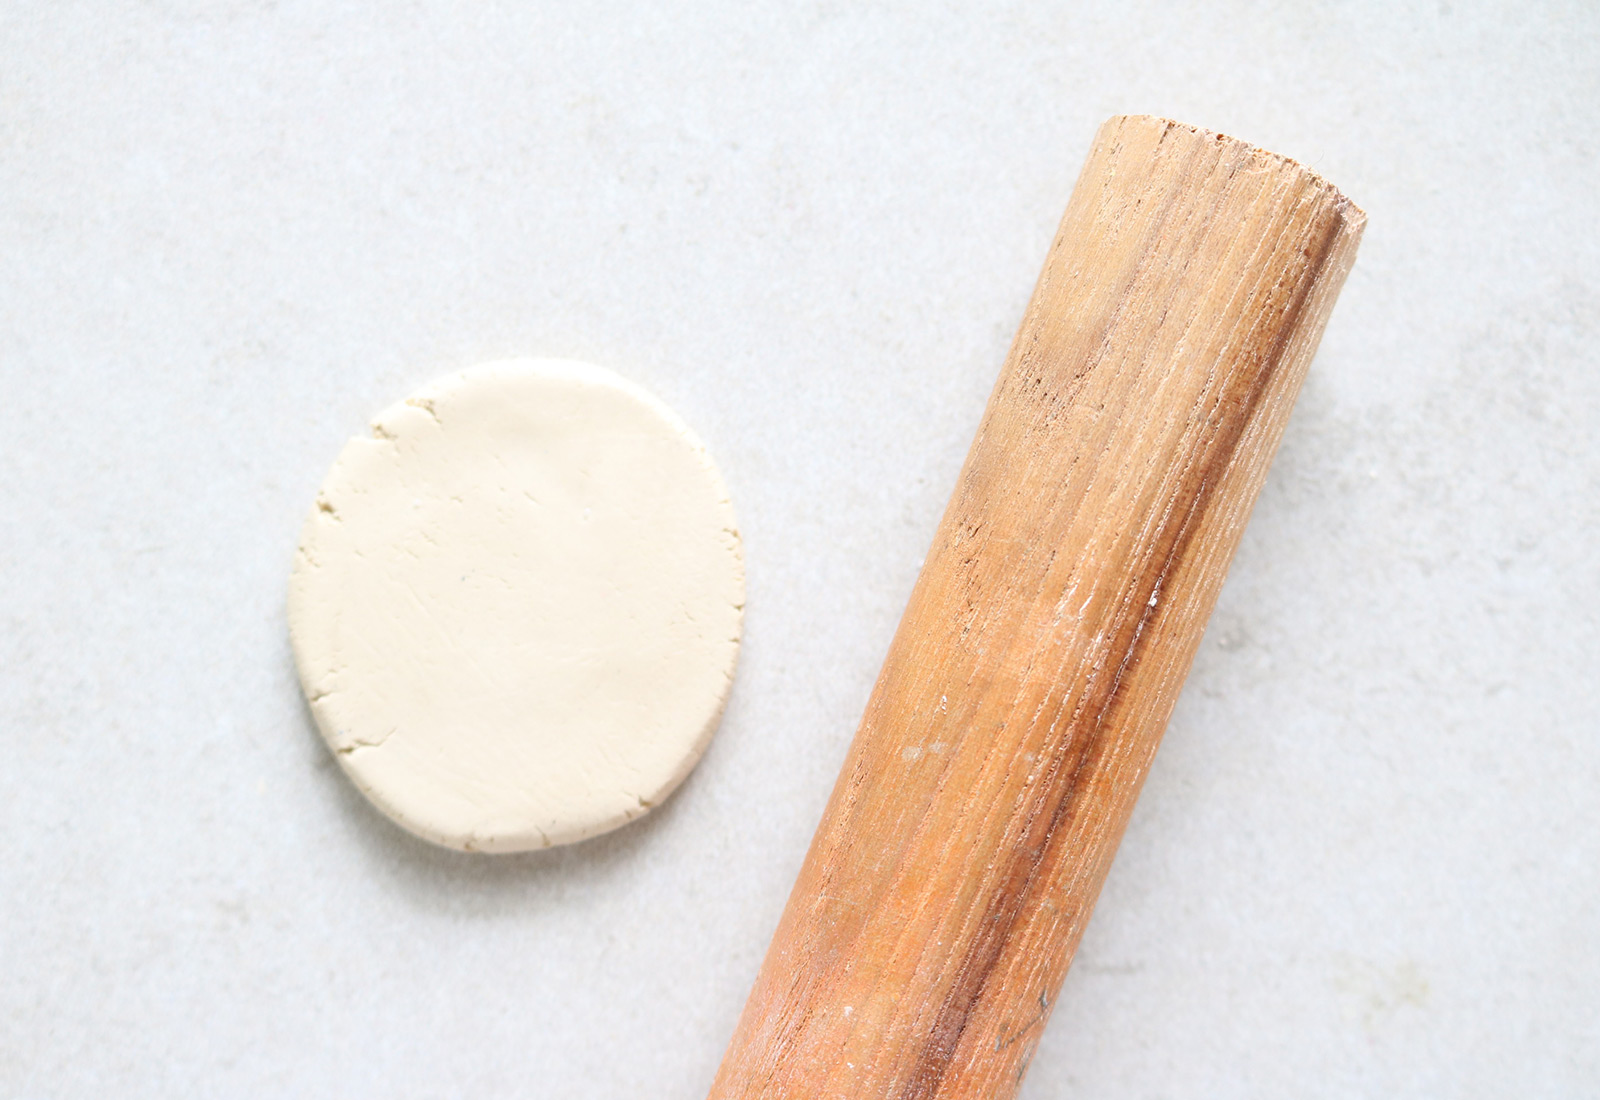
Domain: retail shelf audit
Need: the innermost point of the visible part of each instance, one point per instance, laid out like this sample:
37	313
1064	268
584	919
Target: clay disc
516	606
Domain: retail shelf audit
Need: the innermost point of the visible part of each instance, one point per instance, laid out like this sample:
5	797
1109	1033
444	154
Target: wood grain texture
1052	626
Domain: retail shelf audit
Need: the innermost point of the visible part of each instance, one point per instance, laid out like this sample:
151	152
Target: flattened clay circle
516	606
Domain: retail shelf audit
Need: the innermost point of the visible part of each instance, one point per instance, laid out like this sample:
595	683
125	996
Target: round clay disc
516	606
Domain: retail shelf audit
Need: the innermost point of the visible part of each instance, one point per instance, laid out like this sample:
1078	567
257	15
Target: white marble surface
1367	862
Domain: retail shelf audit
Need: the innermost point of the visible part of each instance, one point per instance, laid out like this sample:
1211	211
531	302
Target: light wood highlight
1052	626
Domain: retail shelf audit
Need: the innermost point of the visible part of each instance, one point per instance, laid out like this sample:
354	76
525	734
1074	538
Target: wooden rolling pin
1052	626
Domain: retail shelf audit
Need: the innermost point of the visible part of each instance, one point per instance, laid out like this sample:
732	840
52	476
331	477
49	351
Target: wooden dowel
1052	626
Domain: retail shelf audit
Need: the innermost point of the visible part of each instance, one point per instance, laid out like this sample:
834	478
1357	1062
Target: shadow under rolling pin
1052	625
